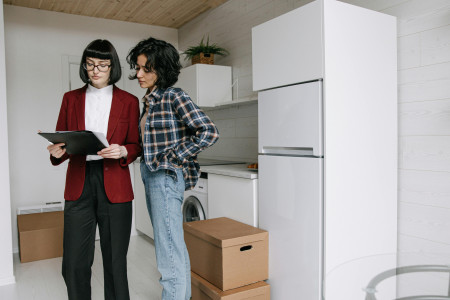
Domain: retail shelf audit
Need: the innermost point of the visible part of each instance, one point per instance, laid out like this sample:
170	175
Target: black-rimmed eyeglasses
100	67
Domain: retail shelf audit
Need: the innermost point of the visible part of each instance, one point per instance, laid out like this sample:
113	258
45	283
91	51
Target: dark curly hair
101	49
162	58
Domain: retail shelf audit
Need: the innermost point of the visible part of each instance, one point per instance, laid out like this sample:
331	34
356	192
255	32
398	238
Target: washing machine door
192	210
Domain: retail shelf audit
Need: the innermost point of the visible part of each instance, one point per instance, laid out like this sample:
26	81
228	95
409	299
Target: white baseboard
7	280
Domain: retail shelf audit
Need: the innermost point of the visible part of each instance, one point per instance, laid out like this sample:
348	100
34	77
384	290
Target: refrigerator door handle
288	151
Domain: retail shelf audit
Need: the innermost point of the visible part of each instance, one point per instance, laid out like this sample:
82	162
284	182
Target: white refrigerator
326	76
291	187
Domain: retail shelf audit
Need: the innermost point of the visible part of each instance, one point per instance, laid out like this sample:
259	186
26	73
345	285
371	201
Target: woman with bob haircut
173	131
98	187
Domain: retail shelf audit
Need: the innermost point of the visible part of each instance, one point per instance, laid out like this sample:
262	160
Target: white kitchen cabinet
233	197
207	85
143	223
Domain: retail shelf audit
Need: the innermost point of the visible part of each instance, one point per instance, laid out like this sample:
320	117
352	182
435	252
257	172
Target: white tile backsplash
227	128
235	149
247	127
238	129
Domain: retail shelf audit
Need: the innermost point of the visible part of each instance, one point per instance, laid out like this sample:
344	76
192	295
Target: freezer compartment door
289	48
290	120
290	209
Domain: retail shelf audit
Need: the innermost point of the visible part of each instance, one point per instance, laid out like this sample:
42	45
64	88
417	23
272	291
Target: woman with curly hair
173	130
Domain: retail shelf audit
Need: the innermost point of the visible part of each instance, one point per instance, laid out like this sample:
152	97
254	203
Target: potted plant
204	52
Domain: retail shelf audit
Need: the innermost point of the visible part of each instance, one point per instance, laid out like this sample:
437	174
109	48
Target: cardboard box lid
225	232
244	292
40	221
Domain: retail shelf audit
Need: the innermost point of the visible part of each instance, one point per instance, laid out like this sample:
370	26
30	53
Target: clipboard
82	142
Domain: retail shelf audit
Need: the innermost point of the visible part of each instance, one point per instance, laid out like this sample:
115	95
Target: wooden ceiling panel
168	13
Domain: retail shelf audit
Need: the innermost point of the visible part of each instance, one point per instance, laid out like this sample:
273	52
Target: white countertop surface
237	170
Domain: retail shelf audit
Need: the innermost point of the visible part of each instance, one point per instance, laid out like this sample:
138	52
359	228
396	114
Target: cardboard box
227	253
203	290
40	235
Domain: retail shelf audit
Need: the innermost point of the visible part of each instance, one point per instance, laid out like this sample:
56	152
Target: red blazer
122	130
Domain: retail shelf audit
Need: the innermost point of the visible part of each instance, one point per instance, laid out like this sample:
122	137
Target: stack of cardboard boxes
229	260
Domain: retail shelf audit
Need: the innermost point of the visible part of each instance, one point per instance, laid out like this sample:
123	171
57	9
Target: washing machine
195	204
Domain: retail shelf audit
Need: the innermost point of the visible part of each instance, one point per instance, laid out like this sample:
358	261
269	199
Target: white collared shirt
97	109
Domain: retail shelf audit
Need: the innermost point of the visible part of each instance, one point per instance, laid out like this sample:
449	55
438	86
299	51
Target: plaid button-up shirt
176	130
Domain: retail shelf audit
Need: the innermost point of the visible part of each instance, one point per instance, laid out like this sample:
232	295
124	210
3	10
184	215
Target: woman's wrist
123	152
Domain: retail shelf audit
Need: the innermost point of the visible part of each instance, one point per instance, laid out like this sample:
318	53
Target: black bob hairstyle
101	49
162	58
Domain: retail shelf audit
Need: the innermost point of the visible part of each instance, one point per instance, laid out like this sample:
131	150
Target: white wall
36	41
424	106
6	261
424	135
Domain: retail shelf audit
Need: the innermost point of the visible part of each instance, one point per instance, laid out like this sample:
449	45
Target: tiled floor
42	280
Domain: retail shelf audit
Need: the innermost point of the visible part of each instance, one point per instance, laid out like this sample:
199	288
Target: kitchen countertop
237	170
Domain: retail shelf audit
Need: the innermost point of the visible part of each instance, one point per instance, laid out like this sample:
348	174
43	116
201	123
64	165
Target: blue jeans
164	196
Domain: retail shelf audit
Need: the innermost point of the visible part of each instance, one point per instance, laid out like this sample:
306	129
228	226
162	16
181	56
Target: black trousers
80	220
